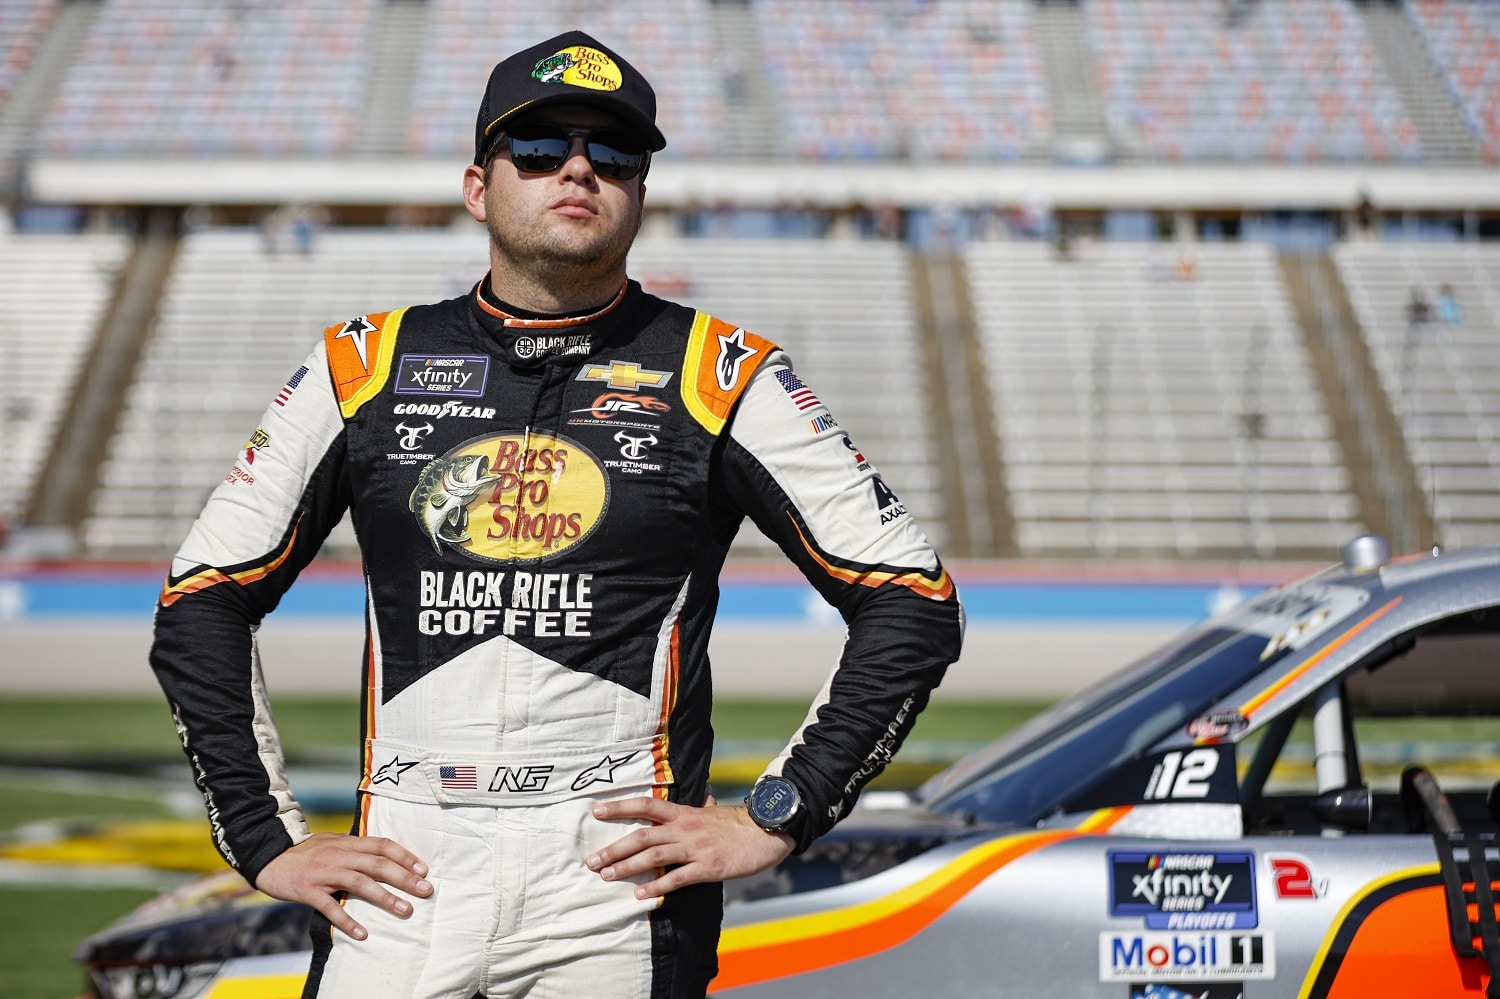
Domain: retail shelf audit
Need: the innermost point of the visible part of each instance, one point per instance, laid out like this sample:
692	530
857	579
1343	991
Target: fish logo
440	499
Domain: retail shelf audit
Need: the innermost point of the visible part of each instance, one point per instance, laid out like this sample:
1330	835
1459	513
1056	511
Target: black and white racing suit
543	508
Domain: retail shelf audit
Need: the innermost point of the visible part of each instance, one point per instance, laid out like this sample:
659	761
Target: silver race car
1291	800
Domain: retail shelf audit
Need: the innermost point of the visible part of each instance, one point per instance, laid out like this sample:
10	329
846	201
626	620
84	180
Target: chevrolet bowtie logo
624	375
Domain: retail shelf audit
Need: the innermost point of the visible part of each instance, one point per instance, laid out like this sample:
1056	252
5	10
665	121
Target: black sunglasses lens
540	154
544	150
611	161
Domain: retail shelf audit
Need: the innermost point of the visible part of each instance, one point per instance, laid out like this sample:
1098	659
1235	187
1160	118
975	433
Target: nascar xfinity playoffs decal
510	497
1186	956
444	375
1184	891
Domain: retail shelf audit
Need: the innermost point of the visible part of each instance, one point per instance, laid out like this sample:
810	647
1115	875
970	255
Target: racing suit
543	507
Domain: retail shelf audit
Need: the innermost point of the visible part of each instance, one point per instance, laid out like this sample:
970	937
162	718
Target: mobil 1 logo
1186	956
1184	891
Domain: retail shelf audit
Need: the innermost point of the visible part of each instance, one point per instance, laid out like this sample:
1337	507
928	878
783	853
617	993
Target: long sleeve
789	466
260	527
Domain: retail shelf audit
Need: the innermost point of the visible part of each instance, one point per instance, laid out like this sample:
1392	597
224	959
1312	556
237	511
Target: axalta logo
580	66
509	497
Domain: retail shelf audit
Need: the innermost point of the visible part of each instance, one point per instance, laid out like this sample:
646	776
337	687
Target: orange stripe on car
761	952
1356	901
171	593
1259	700
940	588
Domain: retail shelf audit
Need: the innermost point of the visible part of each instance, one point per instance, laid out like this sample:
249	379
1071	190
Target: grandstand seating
1442	380
197	397
1464	42
673	48
940	81
180	78
235	321
53	291
845	314
1295	80
22	24
1149	404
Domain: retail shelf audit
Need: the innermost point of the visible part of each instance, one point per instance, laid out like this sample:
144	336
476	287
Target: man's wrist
777	806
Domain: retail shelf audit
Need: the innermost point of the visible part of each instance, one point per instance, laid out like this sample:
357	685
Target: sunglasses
544	148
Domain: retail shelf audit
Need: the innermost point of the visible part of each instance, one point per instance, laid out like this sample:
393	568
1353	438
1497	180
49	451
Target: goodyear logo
580	66
509	497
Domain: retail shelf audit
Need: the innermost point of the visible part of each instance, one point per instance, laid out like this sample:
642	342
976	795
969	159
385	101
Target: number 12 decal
1182	775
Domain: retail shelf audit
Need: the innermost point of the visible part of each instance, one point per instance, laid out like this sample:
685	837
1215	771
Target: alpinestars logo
733	353
357	329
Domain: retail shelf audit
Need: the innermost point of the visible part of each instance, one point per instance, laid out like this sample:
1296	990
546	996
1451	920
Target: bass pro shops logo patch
579	66
509	497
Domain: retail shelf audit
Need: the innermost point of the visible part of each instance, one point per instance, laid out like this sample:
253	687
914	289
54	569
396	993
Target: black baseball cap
572	68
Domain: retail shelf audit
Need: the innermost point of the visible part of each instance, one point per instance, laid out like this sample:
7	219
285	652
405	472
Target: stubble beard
564	266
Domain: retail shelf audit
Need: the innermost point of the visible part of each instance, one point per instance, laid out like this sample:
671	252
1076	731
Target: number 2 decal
1182	775
1294	878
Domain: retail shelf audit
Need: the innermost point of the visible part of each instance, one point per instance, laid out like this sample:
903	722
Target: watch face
773	803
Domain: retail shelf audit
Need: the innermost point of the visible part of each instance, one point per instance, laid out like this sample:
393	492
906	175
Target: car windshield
1028	774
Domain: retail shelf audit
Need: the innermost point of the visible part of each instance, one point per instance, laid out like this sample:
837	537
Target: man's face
568	221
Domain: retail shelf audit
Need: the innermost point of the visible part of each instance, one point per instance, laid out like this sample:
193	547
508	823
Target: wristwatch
775	805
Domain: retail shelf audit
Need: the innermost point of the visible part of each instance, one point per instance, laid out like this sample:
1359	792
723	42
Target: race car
1293	799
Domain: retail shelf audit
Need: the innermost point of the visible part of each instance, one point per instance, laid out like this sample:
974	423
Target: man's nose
577	166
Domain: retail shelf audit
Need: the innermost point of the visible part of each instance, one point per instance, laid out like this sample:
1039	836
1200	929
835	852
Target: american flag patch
800	393
291	386
459	778
818	424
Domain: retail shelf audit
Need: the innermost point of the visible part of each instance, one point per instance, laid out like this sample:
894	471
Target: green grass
39	927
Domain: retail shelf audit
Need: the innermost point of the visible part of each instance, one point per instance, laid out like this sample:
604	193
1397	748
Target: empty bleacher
845	313
236	320
1463	40
181	78
1153	400
1442	378
53	291
961	80
1295	81
673	48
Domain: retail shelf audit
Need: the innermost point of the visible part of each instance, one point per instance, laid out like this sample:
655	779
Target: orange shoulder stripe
719	362
359	357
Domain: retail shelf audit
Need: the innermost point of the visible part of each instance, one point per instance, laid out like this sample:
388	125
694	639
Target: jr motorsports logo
506	497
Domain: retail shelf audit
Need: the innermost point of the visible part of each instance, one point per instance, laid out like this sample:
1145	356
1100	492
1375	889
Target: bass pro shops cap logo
508	497
581	66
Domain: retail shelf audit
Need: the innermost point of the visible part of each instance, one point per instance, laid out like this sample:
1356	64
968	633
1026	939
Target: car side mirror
1346	808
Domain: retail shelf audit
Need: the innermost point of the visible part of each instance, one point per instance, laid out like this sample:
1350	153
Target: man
545	476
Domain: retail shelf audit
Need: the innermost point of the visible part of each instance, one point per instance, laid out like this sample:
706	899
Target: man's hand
711	843
313	870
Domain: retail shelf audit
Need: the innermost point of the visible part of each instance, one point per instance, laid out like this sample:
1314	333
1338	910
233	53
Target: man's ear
474	188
